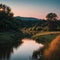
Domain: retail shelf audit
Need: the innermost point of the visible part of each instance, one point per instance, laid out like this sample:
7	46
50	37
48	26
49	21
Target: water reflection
18	50
24	52
7	49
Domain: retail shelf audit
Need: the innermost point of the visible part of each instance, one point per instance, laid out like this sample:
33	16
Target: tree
5	12
7	21
51	16
51	23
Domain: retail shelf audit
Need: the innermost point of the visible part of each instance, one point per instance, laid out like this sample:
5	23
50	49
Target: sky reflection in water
24	52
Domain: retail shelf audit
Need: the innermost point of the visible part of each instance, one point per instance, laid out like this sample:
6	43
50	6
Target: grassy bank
41	37
45	37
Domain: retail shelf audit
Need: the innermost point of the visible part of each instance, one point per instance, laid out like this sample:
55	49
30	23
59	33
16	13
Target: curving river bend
21	51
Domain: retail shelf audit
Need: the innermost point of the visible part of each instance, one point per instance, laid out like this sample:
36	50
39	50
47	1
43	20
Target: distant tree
52	25
51	16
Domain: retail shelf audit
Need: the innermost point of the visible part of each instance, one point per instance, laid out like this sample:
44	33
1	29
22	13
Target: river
19	51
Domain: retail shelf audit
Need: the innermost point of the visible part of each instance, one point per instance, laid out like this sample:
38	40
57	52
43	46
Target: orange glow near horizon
1	9
27	14
24	12
33	8
30	14
35	16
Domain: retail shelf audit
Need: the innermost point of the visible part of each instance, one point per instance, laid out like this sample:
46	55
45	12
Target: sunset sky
33	8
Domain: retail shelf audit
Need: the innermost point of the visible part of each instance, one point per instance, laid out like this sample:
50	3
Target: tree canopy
51	16
5	12
7	21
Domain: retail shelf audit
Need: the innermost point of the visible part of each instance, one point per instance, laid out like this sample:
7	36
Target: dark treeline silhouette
50	24
7	49
7	21
10	23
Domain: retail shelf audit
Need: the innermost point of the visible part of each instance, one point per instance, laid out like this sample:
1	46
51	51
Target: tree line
9	23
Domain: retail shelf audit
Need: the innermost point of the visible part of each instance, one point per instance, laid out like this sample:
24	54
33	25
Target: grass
42	37
45	33
45	37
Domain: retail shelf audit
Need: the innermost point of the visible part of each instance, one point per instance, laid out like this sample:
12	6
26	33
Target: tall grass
53	51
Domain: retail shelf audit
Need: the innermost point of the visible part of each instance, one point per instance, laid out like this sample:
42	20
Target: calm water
19	51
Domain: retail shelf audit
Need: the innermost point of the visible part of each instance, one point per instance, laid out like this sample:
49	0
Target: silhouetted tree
5	12
51	16
7	21
52	25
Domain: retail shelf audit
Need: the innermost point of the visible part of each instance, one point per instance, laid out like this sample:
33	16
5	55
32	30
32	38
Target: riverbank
9	37
41	37
45	37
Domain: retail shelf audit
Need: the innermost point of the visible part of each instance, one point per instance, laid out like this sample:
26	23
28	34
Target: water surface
19	51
